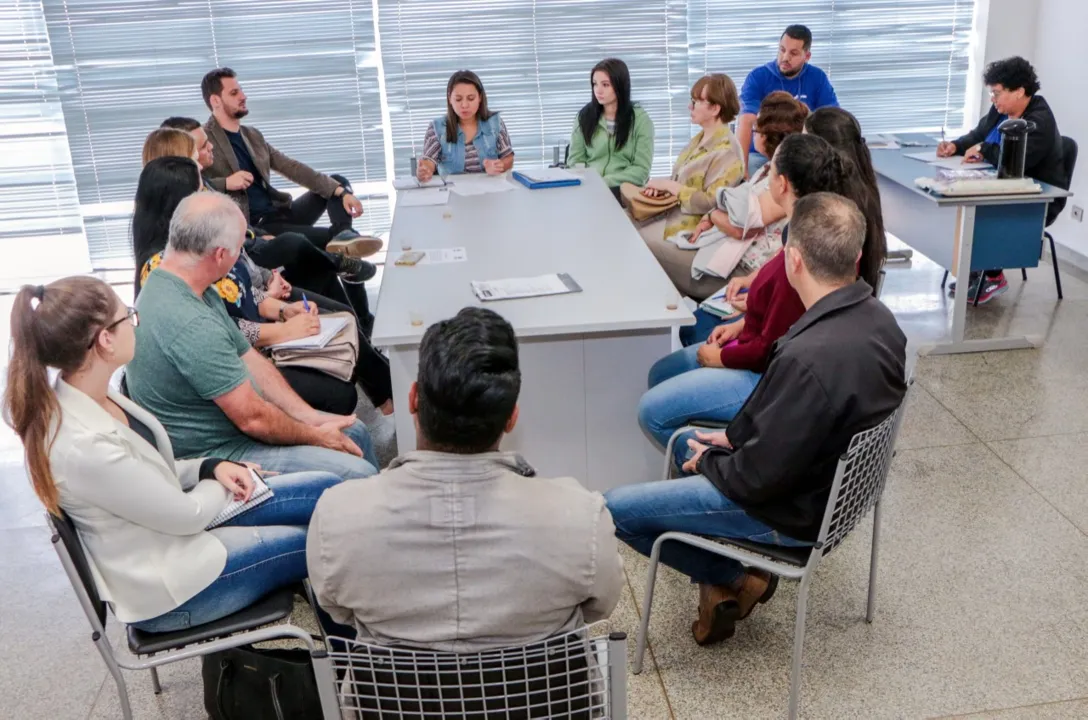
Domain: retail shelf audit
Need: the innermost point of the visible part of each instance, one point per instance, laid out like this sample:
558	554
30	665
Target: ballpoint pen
305	303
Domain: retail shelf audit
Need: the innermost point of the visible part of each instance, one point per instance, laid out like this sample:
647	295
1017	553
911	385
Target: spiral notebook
261	492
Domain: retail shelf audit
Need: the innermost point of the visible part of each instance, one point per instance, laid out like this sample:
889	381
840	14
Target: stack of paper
952	163
427	196
411	183
554	284
329	327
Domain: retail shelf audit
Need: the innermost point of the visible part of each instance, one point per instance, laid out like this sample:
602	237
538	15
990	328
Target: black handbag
244	683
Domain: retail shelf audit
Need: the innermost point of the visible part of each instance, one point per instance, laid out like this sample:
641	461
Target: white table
584	356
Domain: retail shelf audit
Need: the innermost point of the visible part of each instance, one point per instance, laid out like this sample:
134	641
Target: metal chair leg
944	279
647	602
1024	274
118	678
798	647
870	607
1054	262
155	685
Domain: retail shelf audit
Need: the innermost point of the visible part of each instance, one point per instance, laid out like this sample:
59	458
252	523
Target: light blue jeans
266	550
643	511
301	458
755	162
681	391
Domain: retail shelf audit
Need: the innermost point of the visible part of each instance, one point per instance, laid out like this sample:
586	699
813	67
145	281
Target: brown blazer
266	158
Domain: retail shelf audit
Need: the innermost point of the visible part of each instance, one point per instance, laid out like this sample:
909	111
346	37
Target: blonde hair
168	142
54	325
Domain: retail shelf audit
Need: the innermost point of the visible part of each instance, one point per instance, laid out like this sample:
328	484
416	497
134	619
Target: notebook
717	305
329	327
514	288
539	178
411	183
261	492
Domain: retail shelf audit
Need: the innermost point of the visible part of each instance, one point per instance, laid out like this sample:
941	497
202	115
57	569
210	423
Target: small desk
1009	229
584	356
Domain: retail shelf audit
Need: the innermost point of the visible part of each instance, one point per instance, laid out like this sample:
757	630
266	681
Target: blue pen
305	304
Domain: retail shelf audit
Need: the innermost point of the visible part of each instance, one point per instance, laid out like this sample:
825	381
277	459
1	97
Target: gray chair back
860	479
567	676
69	549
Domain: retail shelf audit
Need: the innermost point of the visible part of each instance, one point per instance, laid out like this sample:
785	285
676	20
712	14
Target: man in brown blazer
242	166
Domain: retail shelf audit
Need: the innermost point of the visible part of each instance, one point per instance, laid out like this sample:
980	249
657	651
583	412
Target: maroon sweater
773	306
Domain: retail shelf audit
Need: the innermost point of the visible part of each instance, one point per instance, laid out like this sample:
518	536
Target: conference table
584	356
962	234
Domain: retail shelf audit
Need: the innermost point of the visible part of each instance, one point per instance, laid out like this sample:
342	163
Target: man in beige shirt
457	546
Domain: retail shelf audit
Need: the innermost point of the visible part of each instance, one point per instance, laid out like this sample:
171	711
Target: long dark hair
590	115
164	183
811	164
53	325
466	77
843	131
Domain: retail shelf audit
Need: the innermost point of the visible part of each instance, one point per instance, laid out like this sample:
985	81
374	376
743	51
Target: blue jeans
681	391
301	458
755	162
693	505
704	325
266	550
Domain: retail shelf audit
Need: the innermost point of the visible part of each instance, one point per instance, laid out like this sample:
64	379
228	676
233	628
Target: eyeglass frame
132	314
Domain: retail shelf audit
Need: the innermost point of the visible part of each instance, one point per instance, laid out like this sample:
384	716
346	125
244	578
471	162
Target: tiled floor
981	610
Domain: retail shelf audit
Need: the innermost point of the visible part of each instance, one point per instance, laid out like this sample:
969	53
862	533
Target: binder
546	178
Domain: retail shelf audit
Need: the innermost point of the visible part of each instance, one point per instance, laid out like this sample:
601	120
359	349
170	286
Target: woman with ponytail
108	464
843	131
711	381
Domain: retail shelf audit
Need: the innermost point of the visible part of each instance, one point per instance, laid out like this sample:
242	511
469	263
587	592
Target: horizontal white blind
895	64
307	66
38	202
534	58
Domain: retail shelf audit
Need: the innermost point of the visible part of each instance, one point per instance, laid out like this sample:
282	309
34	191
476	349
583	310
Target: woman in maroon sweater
713	381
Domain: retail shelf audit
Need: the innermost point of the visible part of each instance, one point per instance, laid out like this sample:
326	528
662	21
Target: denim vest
453	154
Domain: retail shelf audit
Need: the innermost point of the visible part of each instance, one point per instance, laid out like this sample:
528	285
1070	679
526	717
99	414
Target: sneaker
971	286
353	244
356	270
988	289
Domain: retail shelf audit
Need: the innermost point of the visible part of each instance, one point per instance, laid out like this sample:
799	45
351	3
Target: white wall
1059	39
1005	28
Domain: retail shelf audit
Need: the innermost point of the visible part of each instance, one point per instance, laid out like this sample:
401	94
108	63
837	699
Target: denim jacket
453	154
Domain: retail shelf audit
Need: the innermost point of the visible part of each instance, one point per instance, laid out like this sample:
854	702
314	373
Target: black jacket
1044	157
839	370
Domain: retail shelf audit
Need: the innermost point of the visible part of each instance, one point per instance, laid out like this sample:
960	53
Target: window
38	201
349	86
895	64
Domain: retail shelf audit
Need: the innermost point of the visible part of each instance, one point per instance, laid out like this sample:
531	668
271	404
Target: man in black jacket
839	370
1013	89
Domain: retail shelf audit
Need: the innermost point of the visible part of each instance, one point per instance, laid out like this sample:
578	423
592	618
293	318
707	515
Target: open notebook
261	492
329	327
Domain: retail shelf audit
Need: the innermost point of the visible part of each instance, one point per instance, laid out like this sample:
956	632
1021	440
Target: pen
305	303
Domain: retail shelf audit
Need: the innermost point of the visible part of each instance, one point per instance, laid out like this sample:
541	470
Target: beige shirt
463	553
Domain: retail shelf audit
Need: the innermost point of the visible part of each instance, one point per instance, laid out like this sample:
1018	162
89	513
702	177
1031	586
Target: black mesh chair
155	649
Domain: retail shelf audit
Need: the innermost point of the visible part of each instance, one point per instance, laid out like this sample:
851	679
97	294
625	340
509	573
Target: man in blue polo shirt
791	73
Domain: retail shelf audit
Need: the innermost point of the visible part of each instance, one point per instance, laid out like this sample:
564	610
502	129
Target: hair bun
39	292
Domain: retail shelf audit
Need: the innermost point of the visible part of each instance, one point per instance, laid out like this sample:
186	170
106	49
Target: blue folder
539	184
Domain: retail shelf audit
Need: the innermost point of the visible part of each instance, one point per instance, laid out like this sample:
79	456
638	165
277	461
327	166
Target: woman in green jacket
612	135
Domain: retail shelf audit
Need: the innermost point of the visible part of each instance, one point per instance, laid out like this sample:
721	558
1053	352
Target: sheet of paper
329	327
882	142
519	287
409	183
444	255
952	163
426	196
481	184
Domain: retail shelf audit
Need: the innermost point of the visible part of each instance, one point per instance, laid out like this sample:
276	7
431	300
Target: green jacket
631	163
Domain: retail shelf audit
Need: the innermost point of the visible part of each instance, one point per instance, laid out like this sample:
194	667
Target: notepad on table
428	196
329	327
539	178
513	288
411	183
261	492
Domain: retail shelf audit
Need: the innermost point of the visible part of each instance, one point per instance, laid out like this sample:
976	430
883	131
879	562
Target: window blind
534	58
38	203
895	64
307	66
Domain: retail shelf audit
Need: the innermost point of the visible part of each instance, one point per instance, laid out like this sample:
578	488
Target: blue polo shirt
810	86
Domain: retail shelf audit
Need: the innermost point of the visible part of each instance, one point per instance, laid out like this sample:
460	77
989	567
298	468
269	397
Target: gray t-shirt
188	352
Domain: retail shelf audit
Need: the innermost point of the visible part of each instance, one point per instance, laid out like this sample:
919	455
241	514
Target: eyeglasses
696	101
131	314
998	93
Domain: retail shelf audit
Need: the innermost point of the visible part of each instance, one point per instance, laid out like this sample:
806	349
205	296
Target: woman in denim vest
470	138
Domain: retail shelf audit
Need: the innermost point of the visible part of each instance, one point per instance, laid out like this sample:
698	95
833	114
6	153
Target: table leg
959	305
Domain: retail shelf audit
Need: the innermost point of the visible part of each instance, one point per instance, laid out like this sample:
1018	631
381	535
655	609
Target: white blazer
140	517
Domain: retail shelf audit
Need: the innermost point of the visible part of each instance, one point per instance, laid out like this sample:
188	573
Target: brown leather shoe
758	586
355	247
718	614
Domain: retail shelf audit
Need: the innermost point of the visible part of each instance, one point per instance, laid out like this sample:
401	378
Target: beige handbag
644	208
337	358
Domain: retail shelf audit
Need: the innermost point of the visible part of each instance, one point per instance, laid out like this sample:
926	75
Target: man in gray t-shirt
195	371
